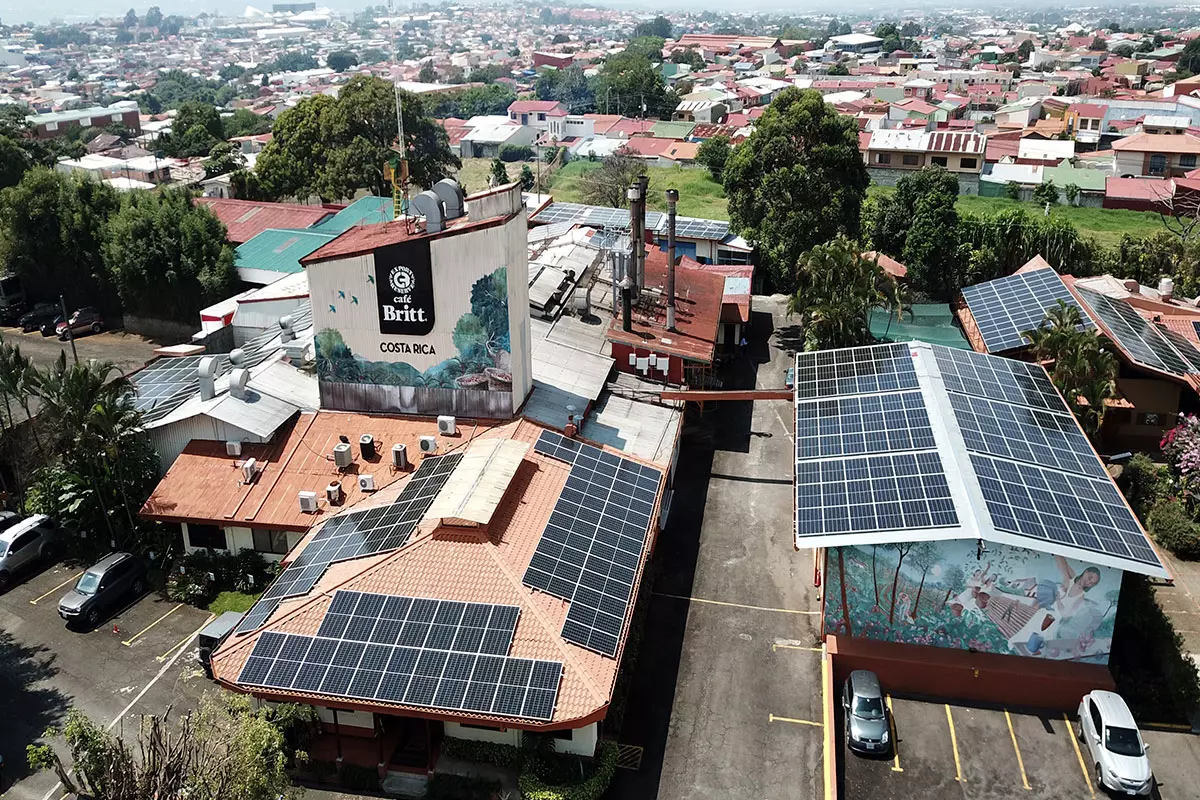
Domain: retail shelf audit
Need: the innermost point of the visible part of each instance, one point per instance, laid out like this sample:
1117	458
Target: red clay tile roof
245	219
205	485
698	298
534	106
445	563
889	265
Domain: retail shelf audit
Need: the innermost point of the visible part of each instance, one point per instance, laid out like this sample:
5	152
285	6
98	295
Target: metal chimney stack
643	182
672	199
636	198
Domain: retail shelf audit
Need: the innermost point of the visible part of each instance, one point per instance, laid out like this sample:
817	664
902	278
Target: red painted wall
620	352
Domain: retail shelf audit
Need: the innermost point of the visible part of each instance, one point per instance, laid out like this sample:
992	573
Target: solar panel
691	228
1000	378
856	370
904	491
1004	309
591	548
1144	342
1186	349
418	622
1046	505
354	535
861	425
1196	328
422	675
1018	433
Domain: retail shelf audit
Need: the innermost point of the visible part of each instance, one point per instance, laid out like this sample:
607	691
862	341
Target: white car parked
1114	744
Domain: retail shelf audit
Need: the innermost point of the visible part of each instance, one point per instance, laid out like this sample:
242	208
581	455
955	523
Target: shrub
1143	483
458	787
1012	190
360	778
603	767
502	755
1152	671
516	152
1171	526
244	571
1045	193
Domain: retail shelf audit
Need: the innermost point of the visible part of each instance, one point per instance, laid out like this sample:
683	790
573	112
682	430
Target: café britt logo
404	281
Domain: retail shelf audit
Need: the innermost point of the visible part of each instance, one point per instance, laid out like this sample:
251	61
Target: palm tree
837	290
1080	367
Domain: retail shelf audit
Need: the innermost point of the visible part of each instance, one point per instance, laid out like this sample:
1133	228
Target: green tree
224	750
294	61
660	27
488	73
131	19
918	224
332	148
796	182
14	162
1045	192
527	178
712	154
886	29
244	122
224	157
499	173
836	288
341	60
1098	43
53	226
1025	50
560	38
1072	193
649	47
628	84
1083	370
1123	50
154	17
427	73
910	29
690	56
168	257
494	98
838	69
608	184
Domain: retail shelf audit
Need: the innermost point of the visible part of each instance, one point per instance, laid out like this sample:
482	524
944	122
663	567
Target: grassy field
699	195
1107	225
232	601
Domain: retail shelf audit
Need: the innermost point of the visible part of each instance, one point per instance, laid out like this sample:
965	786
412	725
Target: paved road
727	697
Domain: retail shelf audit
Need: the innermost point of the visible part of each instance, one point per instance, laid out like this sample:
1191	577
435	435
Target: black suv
102	587
39	315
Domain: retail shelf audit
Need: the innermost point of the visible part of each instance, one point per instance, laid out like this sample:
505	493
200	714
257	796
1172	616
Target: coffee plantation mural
1004	600
483	360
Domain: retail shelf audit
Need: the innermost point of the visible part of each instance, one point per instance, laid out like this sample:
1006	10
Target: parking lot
141	659
726	698
952	750
127	351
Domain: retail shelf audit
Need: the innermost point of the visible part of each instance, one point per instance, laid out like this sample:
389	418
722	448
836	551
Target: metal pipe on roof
643	182
672	199
627	304
635	231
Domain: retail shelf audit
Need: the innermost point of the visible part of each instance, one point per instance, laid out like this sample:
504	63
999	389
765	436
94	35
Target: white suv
1114	744
23	543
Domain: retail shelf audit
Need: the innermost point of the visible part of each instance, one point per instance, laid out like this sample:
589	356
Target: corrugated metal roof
279	250
257	413
567	368
477	485
957	142
245	219
363	211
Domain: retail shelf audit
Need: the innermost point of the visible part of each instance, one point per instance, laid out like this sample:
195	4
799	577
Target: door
23	549
1093	726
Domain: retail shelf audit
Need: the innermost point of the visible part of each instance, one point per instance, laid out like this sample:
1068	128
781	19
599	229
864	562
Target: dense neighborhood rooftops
1158	143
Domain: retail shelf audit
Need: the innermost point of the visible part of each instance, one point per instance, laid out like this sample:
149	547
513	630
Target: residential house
55	124
1085	121
855	43
1156	155
889	154
535	113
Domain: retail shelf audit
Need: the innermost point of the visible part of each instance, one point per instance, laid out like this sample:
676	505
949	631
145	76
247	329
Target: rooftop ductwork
454	202
429	205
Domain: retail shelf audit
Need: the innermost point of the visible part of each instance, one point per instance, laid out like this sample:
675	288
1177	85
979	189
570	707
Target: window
541	117
732	257
51	126
1158	164
911	160
939	161
266	541
473	726
1150	419
21	542
206	536
883	158
1097	723
1187	160
968	163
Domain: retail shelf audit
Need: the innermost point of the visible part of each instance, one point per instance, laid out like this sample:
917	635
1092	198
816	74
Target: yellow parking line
773	718
1017	749
167	654
827	774
895	741
134	638
34	601
732	605
1074	743
954	744
775	647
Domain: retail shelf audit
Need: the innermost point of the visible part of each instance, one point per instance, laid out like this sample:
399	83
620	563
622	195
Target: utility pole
70	334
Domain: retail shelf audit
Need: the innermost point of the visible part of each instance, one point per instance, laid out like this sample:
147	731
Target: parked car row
48	318
1114	745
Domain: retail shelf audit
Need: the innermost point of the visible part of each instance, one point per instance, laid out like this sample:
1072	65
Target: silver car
866	716
23	543
1114	744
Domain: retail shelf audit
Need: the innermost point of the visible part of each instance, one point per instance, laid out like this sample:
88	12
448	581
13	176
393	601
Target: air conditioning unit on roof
428	444
447	425
249	470
233	449
343	455
308	502
366	483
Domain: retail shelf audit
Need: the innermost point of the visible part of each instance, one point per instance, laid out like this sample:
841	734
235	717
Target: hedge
502	755
1171	526
604	767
